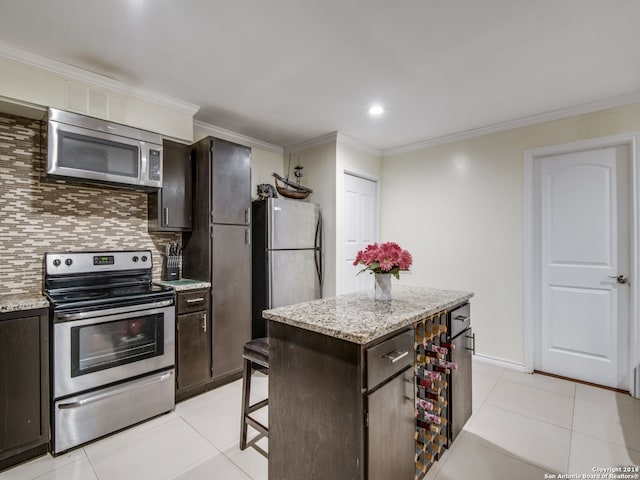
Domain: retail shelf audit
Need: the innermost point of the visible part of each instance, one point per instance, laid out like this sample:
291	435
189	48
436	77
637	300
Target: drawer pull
395	355
195	300
461	318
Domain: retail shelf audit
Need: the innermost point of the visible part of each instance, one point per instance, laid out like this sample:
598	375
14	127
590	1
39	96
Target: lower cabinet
340	408
24	381
389	408
193	342
461	384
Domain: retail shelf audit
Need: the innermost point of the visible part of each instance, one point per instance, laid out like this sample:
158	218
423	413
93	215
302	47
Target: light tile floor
523	427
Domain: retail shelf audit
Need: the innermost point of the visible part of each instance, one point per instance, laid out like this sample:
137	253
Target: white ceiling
286	71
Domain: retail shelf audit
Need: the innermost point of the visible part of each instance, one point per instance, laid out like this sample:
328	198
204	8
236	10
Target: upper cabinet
170	208
224	170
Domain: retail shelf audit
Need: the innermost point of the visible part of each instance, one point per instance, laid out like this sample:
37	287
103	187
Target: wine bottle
447	364
424	404
439	349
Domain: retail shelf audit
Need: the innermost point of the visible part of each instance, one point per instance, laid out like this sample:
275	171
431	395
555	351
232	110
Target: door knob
619	278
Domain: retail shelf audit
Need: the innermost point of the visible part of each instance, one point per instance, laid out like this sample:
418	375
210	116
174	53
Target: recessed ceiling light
376	110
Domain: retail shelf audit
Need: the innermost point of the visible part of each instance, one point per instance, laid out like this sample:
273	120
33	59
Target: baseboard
500	362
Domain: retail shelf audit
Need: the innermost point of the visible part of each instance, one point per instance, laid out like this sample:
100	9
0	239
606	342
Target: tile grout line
95	472
220	452
573	415
530	417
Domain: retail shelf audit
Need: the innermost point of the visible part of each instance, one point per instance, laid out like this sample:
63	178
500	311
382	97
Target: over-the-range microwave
91	150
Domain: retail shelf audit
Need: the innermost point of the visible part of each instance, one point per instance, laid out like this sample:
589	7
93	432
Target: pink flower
387	257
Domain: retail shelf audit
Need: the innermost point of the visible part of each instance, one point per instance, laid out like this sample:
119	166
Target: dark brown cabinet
389	409
193	342
24	385
340	408
462	355
170	208
218	249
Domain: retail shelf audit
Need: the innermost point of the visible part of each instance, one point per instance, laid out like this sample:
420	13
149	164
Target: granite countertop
359	318
22	301
185	284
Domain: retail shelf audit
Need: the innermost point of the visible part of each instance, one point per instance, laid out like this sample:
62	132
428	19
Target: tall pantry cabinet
218	248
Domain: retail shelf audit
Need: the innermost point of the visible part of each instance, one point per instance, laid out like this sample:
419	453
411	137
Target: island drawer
460	319
193	301
389	357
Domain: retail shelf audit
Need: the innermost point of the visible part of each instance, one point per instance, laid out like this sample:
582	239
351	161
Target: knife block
171	268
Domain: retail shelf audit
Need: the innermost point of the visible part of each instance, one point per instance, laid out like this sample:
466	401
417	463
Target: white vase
383	286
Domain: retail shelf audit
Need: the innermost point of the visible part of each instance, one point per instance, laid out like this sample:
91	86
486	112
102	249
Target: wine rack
432	377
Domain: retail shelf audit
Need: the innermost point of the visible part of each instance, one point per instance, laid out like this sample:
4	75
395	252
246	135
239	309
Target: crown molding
225	134
347	140
314	142
15	53
621	101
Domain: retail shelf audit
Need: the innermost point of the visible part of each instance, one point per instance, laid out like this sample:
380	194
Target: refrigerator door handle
318	250
269	261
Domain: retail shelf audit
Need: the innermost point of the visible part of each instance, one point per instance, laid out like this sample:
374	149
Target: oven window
105	345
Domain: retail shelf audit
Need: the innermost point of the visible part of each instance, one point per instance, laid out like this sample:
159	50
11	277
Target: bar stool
256	356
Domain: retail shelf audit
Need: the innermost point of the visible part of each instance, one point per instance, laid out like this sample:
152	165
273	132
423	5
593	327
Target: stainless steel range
113	343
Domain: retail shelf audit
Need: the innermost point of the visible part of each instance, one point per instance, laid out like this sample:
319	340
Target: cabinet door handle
165	215
395	355
473	342
204	322
247	237
195	300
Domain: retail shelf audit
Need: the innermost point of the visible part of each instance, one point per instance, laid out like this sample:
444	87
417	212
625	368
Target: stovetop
115	294
105	279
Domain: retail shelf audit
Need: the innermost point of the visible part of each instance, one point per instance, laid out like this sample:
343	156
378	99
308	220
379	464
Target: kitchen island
344	386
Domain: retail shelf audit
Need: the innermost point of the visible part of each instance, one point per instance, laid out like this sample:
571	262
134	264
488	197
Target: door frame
340	217
532	247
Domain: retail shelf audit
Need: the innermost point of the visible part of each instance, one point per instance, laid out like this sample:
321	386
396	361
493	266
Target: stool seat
257	351
256	355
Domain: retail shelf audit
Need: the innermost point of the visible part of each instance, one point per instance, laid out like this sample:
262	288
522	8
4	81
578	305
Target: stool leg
246	394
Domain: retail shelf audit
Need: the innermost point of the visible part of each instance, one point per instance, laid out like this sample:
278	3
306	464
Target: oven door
102	350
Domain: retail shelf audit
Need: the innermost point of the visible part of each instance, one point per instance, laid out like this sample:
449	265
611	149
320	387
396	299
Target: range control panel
89	262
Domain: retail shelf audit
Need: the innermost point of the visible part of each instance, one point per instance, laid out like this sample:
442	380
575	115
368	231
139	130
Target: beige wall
459	209
319	174
356	161
263	165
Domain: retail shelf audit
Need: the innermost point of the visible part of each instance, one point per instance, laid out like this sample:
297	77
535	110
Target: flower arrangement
387	257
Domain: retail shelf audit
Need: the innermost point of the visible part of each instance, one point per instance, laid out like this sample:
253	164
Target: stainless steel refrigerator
218	248
287	255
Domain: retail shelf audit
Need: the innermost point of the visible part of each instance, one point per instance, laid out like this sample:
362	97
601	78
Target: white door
359	229
584	200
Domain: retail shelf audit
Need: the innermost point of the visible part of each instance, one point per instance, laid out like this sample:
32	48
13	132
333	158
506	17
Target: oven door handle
66	317
101	396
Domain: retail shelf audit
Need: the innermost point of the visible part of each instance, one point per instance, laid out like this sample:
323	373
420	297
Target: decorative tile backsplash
39	215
